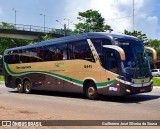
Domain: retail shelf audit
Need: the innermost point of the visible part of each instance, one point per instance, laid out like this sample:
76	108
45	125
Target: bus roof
90	35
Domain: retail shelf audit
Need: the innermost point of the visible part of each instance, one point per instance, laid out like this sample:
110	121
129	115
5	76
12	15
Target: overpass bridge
29	32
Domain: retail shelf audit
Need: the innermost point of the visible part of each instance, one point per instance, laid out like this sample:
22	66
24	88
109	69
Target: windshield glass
136	63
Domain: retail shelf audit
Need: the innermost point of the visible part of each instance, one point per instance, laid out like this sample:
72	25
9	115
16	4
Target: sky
117	13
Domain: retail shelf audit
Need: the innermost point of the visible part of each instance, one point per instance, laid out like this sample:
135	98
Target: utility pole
65	31
15	15
133	15
44	20
64	27
68	22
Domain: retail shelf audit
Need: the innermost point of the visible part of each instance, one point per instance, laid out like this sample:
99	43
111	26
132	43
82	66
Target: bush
156	81
1	78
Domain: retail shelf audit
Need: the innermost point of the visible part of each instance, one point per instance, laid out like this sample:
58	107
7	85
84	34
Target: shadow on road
130	99
55	93
126	99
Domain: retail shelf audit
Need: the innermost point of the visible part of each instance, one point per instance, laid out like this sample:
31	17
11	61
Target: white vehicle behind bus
156	72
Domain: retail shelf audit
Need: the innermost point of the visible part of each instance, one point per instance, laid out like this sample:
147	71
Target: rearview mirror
118	49
154	53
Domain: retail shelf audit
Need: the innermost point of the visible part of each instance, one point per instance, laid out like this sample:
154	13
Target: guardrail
33	28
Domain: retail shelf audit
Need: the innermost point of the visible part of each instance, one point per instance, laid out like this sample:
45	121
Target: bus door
110	61
111	58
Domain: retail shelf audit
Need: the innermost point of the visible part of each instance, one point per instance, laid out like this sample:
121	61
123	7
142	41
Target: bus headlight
128	91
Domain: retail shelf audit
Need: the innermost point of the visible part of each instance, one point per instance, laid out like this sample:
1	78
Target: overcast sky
115	12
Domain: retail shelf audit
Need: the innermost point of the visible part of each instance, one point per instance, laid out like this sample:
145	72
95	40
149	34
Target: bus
1	63
95	63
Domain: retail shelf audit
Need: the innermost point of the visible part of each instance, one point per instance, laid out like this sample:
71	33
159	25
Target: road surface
42	105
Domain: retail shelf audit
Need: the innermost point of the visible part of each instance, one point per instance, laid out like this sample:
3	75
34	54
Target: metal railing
33	28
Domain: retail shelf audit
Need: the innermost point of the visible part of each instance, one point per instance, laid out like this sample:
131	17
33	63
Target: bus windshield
136	64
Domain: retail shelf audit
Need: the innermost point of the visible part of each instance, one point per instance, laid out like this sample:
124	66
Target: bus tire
20	87
27	87
91	91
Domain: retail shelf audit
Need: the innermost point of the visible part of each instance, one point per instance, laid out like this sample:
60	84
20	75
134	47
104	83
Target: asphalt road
42	105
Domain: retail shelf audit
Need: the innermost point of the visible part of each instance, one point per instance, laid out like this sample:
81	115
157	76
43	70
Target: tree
6	43
137	34
10	42
154	44
5	25
43	38
91	21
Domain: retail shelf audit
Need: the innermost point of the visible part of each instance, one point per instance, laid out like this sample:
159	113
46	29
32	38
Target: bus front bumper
121	89
135	90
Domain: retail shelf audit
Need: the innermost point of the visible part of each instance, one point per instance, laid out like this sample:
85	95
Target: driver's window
111	62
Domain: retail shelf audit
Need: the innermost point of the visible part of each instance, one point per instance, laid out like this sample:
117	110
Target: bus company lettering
59	65
23	67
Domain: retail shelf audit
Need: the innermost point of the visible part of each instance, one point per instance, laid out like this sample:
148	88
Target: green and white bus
91	63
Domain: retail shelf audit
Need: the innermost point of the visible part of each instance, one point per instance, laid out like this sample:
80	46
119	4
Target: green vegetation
155	44
5	25
91	21
10	42
156	81
1	78
137	34
43	38
6	43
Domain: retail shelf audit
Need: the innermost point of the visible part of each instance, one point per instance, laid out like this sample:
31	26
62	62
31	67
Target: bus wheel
20	87
27	87
91	91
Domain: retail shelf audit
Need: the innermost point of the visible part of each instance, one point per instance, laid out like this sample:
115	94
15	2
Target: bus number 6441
87	66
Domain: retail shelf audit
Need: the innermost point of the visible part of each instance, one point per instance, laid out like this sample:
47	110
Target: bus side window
28	56
40	54
62	51
98	44
11	59
55	52
70	51
80	50
24	59
8	59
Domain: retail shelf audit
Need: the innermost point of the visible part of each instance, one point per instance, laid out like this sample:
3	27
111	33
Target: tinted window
154	70
11	59
98	44
80	50
29	55
55	52
109	61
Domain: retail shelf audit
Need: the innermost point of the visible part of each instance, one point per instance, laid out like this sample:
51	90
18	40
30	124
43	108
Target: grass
156	81
1	78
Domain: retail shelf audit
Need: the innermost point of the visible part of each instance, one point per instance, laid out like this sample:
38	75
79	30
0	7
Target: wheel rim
28	87
19	87
91	91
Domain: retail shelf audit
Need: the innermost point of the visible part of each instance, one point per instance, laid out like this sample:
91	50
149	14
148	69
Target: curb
1	82
156	87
